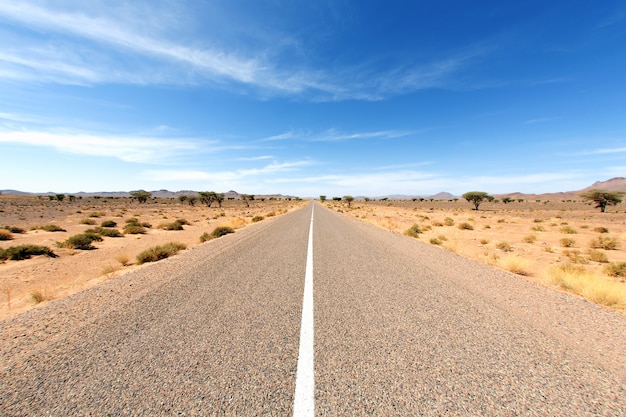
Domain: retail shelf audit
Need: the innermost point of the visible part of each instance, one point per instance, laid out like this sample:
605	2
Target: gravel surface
402	328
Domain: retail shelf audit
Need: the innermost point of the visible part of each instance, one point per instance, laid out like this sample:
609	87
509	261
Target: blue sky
312	97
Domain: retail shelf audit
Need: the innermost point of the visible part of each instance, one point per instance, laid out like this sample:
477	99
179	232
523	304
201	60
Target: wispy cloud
126	148
334	135
607	151
540	120
117	38
224	176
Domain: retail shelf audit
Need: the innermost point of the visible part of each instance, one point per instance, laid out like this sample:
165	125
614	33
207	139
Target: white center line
304	401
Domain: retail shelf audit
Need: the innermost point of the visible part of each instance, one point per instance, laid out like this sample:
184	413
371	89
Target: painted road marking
304	399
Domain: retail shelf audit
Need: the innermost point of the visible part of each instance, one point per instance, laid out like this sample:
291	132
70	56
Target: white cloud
606	151
125	148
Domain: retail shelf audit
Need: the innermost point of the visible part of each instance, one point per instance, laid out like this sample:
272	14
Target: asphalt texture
401	329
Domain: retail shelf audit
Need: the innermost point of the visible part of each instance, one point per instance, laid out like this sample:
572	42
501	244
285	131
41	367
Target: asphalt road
401	329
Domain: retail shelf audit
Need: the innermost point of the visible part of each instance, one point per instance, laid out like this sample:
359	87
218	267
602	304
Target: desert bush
538	229
271	214
616	269
607	243
37	297
437	223
134	229
567	242
5	235
133	221
413	231
538	220
156	253
516	265
97	214
205	237
104	232
81	241
484	241
18	253
465	226
51	228
530	239
575	257
108	223
448	221
568	230
435	241
15	229
504	247
601	230
221	231
257	219
89	222
597	256
176	225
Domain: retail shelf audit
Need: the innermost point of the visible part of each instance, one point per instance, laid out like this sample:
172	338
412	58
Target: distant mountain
157	193
443	196
614	184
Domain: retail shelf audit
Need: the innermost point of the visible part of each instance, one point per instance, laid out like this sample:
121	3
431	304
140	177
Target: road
400	328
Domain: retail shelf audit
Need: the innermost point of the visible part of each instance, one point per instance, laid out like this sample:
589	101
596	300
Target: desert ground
567	244
24	284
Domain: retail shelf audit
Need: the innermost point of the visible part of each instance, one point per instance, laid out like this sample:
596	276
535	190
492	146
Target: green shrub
108	223
18	253
81	241
435	241
567	242
601	230
97	214
413	231
257	219
15	229
530	239
89	222
52	228
134	229
448	221
465	226
271	214
171	226
105	232
616	269
607	243
205	237
221	231
157	253
5	235
538	229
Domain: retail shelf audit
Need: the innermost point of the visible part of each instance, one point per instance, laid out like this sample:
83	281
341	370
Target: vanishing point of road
314	313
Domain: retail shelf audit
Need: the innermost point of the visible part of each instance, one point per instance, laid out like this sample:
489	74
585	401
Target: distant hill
614	184
157	193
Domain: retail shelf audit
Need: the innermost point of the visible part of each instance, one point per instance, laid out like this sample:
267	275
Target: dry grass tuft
516	265
576	279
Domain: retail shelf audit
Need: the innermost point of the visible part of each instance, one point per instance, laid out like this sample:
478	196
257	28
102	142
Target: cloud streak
125	148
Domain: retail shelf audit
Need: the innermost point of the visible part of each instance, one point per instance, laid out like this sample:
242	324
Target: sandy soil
74	270
532	229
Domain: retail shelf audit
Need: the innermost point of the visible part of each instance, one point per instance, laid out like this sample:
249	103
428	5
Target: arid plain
567	245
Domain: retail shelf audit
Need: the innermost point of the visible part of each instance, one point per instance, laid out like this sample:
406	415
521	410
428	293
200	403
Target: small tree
219	197
507	200
141	195
349	199
247	198
477	197
322	198
182	198
603	198
207	197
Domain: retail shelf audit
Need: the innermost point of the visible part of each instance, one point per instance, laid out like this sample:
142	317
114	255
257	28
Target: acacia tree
207	197
247	198
349	199
603	198
219	197
141	195
477	197
322	198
